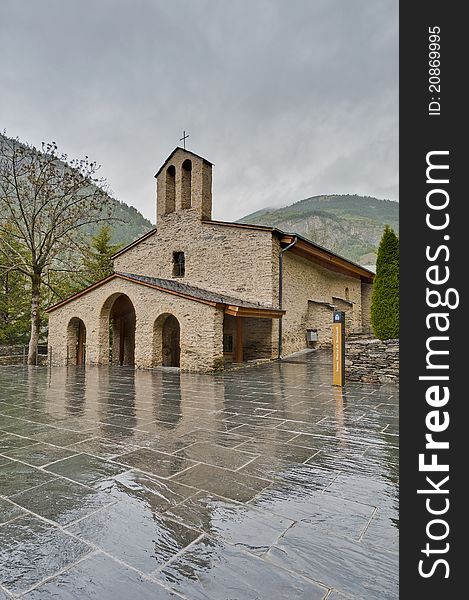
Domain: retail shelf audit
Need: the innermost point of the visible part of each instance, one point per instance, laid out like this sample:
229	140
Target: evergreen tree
98	262
385	295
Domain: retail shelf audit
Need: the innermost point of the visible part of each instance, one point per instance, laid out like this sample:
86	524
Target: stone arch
166	341
186	184
76	342
117	331
170	192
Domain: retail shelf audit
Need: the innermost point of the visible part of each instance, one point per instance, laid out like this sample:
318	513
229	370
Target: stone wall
13	355
372	361
17	355
240	262
321	315
229	260
304	281
257	337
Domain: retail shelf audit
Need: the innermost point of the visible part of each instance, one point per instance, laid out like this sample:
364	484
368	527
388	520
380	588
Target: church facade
196	293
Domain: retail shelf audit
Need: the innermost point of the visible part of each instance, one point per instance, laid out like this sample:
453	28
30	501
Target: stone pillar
144	344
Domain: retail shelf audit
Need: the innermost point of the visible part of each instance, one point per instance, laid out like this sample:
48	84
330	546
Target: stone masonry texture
372	361
232	261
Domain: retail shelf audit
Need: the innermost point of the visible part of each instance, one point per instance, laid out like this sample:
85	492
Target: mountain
127	223
349	225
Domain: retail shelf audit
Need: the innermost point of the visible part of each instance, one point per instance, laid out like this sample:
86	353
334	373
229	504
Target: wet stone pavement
264	483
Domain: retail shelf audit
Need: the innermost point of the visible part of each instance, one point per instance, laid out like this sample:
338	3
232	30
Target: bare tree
45	202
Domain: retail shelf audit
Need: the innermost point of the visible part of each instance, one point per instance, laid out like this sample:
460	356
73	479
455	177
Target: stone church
198	294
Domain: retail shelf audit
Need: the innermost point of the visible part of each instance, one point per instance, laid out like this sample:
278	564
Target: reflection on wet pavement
264	483
212	569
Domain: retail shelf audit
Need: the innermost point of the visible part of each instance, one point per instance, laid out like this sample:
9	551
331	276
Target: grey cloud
288	99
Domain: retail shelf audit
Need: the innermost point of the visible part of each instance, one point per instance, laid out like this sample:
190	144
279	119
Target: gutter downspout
280	293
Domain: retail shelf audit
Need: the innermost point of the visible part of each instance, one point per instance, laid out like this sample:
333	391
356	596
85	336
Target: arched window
179	264
186	184
170	189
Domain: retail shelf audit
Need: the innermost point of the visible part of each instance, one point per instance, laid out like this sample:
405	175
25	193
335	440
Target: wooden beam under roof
257	313
327	260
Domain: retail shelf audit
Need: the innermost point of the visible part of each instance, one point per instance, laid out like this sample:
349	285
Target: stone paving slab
31	550
134	533
229	484
99	577
264	483
3	595
61	501
17	477
216	455
10	442
155	462
85	469
234	574
308	551
38	455
9	511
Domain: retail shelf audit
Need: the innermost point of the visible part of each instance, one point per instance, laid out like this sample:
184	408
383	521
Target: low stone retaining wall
13	355
17	355
372	361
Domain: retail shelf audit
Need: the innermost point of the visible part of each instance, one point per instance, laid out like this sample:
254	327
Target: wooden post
338	348
238	355
121	341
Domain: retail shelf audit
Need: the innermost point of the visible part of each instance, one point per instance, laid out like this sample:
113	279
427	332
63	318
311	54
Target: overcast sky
289	99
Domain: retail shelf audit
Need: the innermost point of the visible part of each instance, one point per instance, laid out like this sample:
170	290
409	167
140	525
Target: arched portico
117	331
166	341
76	342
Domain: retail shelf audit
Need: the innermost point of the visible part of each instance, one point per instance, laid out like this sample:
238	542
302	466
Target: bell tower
184	183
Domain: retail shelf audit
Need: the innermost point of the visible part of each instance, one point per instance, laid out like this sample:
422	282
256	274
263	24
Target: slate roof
322	303
182	289
190	290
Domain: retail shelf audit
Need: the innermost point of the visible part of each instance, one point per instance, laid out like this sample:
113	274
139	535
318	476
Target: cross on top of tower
184	138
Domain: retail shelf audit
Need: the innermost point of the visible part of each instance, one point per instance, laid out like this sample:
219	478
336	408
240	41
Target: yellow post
338	349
